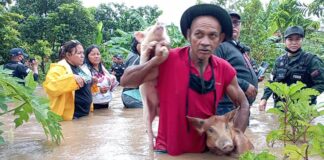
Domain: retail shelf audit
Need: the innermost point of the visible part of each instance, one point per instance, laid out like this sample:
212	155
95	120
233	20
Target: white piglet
150	37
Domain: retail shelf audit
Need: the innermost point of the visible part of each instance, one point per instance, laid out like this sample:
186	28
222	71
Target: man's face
204	36
119	60
20	57
294	42
236	27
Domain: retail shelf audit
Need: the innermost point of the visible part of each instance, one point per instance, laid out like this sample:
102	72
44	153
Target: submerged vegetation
22	103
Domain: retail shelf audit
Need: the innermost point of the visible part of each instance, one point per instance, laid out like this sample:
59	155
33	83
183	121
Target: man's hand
147	51
237	96
262	104
161	52
34	65
137	74
251	92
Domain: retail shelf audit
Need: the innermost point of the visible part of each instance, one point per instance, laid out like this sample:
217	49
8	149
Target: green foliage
314	8
177	39
288	13
256	29
274	135
117	45
262	28
33	28
116	17
39	7
9	34
5	2
72	21
314	43
23	103
264	155
317	138
99	37
296	115
55	22
41	51
294	152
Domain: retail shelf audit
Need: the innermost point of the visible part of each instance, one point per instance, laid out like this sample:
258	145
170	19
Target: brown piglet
222	137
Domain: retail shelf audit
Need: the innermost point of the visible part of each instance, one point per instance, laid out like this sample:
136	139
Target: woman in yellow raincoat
67	85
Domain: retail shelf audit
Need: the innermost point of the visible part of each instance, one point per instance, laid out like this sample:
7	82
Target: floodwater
112	134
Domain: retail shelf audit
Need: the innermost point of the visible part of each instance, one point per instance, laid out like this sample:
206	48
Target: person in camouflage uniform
296	65
118	66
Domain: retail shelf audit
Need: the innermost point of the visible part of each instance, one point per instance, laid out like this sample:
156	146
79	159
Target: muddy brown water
113	134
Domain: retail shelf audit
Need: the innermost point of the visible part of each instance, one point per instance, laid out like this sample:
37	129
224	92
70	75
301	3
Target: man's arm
249	90
237	96
136	75
267	91
34	67
243	84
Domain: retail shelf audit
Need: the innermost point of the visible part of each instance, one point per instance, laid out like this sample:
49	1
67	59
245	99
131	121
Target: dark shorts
100	106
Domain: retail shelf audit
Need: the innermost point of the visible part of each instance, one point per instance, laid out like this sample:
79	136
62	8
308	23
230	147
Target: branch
7	111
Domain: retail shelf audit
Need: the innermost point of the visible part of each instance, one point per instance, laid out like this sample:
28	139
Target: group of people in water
212	75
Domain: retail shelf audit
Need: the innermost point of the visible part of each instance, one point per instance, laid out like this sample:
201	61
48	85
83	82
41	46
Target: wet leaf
247	156
27	108
29	81
265	156
320	105
321	112
18	122
274	136
1	140
30	104
295	88
274	111
4	107
303	123
293	152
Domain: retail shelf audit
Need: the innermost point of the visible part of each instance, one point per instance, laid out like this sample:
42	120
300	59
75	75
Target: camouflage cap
294	30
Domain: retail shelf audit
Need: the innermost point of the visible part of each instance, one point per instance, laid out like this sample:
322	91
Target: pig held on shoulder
152	36
149	39
222	137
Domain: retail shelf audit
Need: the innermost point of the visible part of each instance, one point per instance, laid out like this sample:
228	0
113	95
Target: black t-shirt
83	97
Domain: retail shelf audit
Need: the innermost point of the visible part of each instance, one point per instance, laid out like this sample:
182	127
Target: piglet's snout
227	146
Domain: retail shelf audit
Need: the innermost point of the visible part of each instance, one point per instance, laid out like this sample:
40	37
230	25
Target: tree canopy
34	25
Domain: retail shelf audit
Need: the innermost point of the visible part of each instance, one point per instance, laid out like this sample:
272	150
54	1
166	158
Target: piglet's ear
197	123
230	115
139	36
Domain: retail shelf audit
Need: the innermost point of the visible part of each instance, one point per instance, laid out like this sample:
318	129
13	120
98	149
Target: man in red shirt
191	80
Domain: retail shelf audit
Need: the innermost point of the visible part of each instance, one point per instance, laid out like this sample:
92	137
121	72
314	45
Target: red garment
172	86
